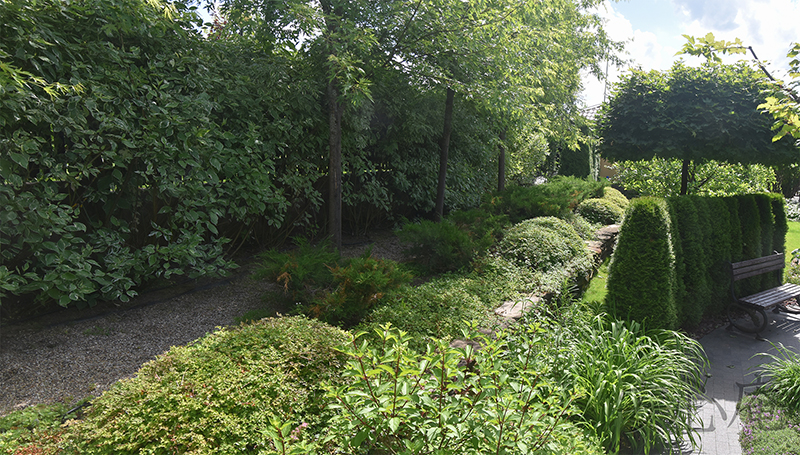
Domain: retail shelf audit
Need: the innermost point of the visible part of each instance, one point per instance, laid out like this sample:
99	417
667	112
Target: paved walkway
732	368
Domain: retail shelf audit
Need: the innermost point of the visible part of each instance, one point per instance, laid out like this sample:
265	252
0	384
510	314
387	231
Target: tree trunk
685	177
445	147
335	166
501	163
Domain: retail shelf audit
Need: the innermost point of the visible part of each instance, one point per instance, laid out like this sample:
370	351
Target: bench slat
777	257
748	272
771	297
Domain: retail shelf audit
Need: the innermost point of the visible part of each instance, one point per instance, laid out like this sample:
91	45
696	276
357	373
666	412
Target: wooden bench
756	304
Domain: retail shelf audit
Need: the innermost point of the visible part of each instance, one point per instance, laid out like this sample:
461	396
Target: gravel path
73	354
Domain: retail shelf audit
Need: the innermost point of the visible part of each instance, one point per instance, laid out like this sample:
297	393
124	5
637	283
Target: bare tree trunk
445	147
335	166
685	177
501	163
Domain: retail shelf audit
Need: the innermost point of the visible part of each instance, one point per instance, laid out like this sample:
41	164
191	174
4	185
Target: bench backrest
757	266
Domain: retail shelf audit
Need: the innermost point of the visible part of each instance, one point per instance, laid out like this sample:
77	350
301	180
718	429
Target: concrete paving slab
733	358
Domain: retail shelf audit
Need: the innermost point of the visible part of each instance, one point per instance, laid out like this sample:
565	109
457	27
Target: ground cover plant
770	418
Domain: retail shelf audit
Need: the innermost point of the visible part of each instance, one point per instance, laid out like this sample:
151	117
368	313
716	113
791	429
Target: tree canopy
709	112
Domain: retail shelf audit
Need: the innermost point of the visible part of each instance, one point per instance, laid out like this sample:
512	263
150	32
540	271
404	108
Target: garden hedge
641	275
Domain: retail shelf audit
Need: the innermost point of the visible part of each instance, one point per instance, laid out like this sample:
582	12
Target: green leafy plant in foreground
451	401
635	388
783	371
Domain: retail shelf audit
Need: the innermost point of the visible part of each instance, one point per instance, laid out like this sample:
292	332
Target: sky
652	31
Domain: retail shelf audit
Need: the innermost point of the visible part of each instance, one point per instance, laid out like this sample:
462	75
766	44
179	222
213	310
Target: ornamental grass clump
635	389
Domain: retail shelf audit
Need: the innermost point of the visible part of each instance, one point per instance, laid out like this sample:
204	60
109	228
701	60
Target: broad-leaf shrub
225	393
547	245
600	211
641	275
451	401
634	388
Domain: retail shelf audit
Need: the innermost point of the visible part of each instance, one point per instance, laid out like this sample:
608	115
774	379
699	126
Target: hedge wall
701	235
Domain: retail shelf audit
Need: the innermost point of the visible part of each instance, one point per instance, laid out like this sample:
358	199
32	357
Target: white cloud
769	26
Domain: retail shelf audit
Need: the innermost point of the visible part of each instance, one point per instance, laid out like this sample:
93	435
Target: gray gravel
74	354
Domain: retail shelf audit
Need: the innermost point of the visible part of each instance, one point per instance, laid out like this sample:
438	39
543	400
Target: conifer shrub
616	196
556	198
440	247
719	254
694	274
735	228
546	244
302	271
582	226
781	222
767	219
752	246
641	275
600	210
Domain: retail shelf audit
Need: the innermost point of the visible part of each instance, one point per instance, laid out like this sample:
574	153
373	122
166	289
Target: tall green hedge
641	280
694	273
719	248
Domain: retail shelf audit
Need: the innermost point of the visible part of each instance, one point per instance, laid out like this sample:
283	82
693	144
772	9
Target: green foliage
719	253
658	114
781	226
582	226
615	196
693	274
358	287
548	245
600	210
767	426
37	427
437	309
479	223
767	219
444	246
557	198
635	388
783	371
302	272
736	229
662	177
401	401
641	276
225	393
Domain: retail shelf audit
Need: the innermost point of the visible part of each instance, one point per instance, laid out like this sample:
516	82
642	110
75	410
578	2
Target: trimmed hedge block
641	276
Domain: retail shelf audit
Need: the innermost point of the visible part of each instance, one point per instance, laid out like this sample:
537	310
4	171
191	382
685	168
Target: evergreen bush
440	247
752	246
222	393
614	195
735	228
600	210
641	276
556	198
694	273
719	254
546	244
767	219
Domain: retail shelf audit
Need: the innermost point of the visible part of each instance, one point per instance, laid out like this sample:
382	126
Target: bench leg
754	322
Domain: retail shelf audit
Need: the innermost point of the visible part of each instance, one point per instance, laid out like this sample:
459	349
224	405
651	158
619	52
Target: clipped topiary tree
614	195
600	210
735	228
641	276
767	219
749	218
